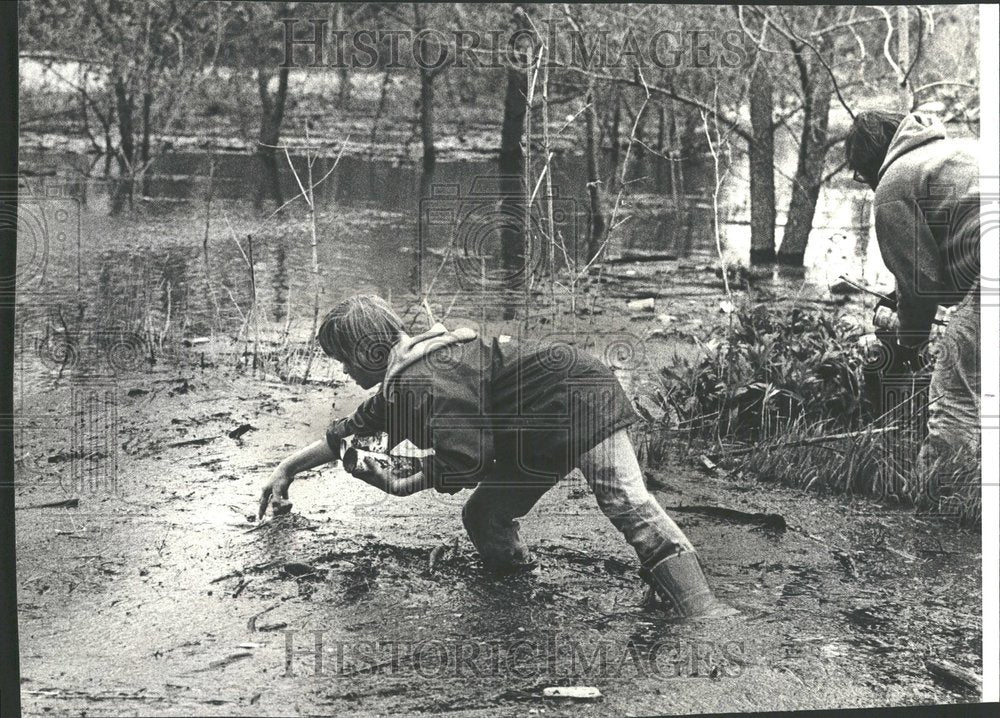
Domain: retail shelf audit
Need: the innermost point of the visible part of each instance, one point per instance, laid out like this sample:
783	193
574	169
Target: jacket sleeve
438	414
367	419
910	252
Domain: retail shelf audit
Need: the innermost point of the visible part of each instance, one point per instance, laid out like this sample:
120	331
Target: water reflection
376	232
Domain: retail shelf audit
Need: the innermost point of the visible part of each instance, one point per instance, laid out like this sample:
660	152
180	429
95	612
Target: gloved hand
884	317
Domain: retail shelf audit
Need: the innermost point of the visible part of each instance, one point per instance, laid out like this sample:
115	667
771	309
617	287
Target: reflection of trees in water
134	290
366	235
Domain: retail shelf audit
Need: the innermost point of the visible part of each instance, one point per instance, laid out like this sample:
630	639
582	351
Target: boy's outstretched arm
316	454
368	418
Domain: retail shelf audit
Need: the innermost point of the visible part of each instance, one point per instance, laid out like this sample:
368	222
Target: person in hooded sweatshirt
507	419
927	225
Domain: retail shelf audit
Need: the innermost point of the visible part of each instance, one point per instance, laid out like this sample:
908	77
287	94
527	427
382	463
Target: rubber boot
679	581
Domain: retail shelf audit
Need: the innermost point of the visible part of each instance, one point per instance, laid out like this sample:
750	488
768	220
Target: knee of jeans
472	515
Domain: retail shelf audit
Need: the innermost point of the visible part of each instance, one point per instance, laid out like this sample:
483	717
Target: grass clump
770	391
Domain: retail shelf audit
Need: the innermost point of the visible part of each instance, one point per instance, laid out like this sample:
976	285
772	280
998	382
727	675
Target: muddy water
180	255
157	595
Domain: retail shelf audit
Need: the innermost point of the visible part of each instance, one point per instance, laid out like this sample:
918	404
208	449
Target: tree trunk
426	92
818	91
427	118
762	201
271	117
903	33
596	234
147	105
615	132
343	72
511	170
126	146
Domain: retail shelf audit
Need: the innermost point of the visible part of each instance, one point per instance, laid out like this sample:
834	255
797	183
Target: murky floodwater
157	594
179	259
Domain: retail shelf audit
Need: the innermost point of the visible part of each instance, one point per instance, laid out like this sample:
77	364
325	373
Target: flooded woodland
165	363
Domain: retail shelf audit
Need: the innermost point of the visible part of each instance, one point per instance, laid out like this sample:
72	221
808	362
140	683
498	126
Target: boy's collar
411	349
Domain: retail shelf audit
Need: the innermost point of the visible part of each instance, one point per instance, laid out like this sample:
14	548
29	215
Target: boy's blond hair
360	330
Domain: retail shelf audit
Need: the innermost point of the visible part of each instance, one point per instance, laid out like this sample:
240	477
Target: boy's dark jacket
927	220
512	411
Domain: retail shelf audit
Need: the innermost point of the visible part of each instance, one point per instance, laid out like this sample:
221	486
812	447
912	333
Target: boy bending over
508	419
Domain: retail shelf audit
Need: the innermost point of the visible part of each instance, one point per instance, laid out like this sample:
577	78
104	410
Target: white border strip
989	22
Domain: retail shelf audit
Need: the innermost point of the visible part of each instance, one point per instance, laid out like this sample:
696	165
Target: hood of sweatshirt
412	349
914	131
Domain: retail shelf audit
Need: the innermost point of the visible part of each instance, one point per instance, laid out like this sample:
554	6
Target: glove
884	317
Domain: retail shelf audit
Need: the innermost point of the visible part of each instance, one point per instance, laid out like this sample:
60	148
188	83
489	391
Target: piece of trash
196	341
64	504
708	464
580	693
240	431
642	305
727	307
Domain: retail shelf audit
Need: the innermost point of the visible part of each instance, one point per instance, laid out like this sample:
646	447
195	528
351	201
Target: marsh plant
780	395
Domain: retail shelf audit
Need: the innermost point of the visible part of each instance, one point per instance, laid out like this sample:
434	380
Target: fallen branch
811	441
950	673
64	504
632	256
192	442
771	521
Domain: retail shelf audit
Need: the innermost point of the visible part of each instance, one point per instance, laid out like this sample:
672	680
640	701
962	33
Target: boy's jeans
612	471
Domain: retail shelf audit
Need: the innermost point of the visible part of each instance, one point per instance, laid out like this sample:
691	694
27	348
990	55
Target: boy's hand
275	492
369	471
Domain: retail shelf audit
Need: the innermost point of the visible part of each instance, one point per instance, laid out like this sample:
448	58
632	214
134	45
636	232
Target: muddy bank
158	596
